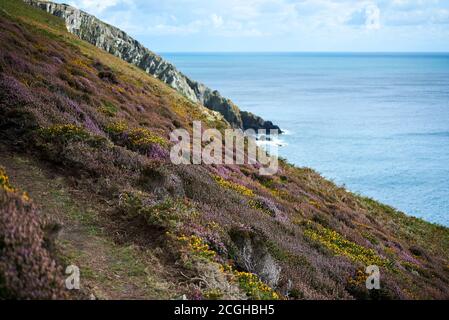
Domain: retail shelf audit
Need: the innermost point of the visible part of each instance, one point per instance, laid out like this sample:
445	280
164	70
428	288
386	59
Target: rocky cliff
118	43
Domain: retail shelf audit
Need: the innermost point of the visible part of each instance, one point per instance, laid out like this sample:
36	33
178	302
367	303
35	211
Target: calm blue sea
376	123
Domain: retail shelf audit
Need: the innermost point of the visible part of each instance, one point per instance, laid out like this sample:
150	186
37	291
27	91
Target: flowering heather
27	270
91	126
141	140
66	104
210	235
221	171
157	152
18	62
13	93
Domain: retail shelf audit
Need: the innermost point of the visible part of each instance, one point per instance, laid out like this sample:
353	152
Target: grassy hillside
86	180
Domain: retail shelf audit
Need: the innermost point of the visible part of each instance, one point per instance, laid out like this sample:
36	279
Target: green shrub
213	294
169	214
109	109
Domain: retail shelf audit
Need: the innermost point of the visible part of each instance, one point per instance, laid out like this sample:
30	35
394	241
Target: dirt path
108	270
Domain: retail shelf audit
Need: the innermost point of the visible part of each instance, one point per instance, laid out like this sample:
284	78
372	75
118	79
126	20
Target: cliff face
118	43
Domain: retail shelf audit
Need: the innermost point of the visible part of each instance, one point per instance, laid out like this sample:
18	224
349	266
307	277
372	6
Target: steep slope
118	43
85	134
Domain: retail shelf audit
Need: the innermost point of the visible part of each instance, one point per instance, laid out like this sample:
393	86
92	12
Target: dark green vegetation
86	136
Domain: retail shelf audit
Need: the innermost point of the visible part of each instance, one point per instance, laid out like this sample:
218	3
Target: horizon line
308	52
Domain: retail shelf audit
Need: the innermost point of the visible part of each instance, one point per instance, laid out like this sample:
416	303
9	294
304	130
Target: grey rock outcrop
253	256
117	42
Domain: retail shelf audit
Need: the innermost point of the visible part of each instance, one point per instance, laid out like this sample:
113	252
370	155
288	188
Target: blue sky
279	25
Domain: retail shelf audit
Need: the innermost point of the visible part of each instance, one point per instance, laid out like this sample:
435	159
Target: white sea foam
268	141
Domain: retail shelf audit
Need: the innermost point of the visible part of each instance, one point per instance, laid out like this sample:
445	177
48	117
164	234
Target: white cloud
94	7
217	21
372	14
328	22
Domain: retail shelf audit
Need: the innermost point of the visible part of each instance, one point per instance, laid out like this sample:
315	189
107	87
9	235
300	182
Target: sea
375	123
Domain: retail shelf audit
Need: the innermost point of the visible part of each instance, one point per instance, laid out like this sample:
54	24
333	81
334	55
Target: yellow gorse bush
65	131
213	294
250	283
359	278
255	288
80	63
339	245
4	182
138	137
197	246
6	186
282	194
142	136
244	191
257	205
117	127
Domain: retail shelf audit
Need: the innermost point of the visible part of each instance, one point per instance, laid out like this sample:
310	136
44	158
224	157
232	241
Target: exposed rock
118	43
251	121
254	257
162	182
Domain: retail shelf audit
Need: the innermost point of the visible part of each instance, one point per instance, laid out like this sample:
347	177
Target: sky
279	25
